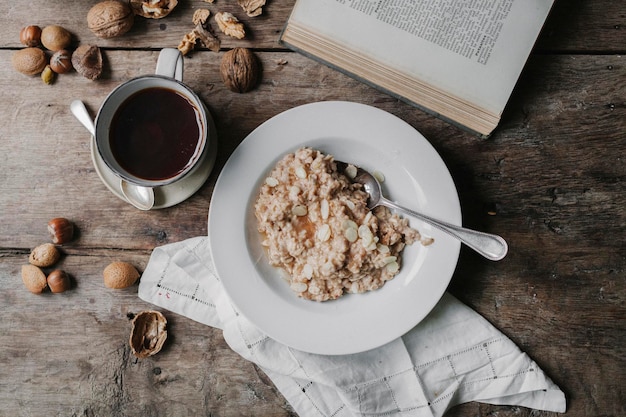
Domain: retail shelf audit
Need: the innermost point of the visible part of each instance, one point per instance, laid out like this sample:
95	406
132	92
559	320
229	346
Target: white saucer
171	194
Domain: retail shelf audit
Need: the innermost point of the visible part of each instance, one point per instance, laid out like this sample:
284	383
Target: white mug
153	130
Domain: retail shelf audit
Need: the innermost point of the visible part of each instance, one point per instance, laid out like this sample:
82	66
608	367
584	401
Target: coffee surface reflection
155	133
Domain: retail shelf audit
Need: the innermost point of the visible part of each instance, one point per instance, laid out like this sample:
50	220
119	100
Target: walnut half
148	333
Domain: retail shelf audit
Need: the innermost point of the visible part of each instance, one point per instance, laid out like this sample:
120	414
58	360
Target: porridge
315	224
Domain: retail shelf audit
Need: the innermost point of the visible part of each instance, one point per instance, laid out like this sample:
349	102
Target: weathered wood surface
553	173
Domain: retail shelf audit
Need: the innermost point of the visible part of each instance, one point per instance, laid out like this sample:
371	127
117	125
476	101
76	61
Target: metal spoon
140	197
492	247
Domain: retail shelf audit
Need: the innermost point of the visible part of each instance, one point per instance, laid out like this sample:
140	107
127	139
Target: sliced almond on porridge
382	248
350	171
392	267
323	233
324	209
379	176
351	234
307	271
299	210
389	259
301	173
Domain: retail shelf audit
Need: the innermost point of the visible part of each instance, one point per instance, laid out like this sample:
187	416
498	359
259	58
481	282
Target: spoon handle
492	247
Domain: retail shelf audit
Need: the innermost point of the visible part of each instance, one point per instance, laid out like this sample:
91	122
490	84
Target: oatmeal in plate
315	224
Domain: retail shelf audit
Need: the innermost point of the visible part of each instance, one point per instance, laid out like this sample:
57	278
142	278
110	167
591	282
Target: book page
473	49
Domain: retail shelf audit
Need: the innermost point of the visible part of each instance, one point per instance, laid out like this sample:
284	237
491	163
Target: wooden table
551	180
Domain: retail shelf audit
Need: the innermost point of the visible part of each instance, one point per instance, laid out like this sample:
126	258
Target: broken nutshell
87	61
153	9
148	333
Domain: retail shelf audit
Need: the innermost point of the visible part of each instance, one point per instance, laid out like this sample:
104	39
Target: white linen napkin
453	356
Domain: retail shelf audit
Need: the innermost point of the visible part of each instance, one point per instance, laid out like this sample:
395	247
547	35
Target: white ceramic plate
415	176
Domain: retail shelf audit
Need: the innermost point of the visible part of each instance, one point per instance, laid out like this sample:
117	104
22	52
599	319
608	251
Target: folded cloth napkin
453	356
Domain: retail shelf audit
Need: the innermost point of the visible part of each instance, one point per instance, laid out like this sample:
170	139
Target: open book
457	59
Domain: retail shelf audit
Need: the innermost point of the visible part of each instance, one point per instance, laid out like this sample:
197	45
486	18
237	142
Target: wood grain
550	180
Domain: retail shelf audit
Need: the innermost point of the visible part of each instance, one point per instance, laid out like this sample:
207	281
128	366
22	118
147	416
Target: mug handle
170	63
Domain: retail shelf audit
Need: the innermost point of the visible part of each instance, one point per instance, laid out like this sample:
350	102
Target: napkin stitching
416	367
477	381
313	402
391	392
461	352
493	369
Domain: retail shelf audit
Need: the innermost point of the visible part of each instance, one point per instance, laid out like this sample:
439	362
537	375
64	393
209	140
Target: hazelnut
55	37
58	281
61	61
120	275
87	61
44	255
240	70
61	230
30	35
148	333
110	18
34	279
29	61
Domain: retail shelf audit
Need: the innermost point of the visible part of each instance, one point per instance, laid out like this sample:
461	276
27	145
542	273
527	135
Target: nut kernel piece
230	25
44	255
252	7
200	16
110	18
148	333
34	279
119	275
47	75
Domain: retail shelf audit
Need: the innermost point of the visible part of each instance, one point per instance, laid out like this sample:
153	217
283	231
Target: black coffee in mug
155	133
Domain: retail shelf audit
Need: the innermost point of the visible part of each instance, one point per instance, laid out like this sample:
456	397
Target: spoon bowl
140	197
490	246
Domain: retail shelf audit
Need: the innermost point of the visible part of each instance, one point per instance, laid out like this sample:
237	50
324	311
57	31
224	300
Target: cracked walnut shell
153	9
240	70
148	333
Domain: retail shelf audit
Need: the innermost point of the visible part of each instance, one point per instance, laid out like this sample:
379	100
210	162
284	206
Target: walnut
148	333
199	33
230	25
252	7
153	9
110	18
188	43
240	70
200	16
